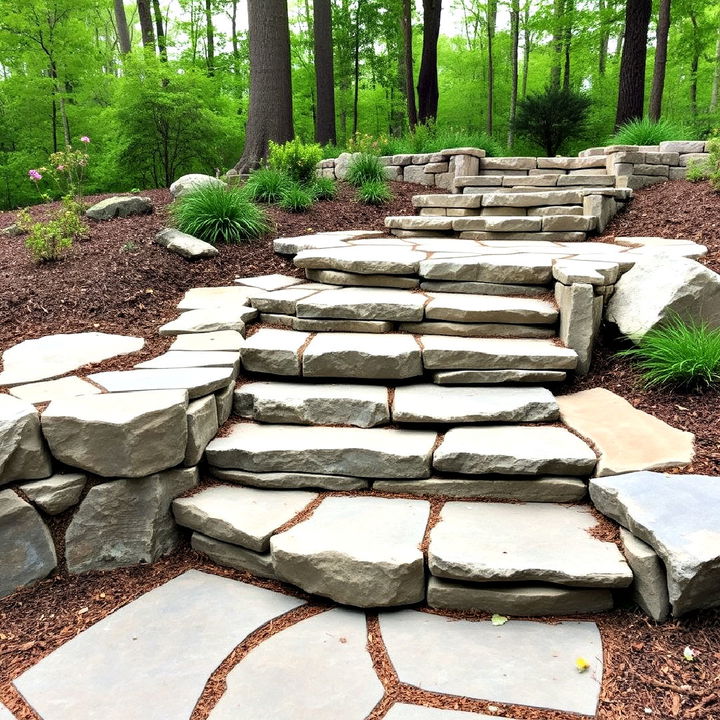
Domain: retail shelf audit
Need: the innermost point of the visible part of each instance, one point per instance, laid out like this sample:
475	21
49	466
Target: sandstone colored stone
224	401
120	206
27	552
355	303
625	438
283	301
57	493
274	351
580	317
498	224
220	340
682	146
194	181
525	269
210	320
270	283
401	711
489	330
23	453
187	246
569	223
130	434
324	325
592	272
458	307
362	551
289	480
234	556
363	260
533	199
126	521
489	377
482	288
205	298
198	359
41	392
338	277
240	515
202	420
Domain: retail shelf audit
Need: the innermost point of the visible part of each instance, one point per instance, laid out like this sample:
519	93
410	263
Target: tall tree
409	70
210	37
146	24
161	37
491	22
514	53
356	65
557	43
428	90
270	114
567	41
527	46
631	93
661	47
324	73
716	77
604	38
121	26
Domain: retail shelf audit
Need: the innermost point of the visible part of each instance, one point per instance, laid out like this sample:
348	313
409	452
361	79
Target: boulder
126	521
662	286
131	434
57	493
342	164
202	418
120	206
194	181
27	552
187	246
23	454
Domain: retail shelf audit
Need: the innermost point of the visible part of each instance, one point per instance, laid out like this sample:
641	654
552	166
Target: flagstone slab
180	359
204	298
210	320
458	307
272	351
429	403
57	493
626	439
479	329
313	404
361	551
521	663
240	515
325	325
357	452
387	260
47	390
679	517
289	480
338	277
514	450
503	542
401	711
5	714
55	355
518	269
269	282
482	288
229	555
491	377
156	653
219	340
319	668
198	381
284	301
358	303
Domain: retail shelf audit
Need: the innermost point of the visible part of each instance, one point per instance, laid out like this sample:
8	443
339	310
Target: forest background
159	104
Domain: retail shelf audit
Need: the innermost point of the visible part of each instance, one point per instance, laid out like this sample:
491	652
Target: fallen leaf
498	620
582	665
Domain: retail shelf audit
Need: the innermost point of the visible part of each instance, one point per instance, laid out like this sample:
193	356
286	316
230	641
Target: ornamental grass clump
296	199
374	192
680	354
365	168
323	188
266	185
648	132
219	215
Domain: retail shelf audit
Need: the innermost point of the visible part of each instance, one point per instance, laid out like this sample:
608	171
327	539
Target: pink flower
85	139
34	175
60	168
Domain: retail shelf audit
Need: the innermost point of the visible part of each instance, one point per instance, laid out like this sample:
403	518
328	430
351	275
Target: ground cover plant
709	169
374	192
267	185
644	131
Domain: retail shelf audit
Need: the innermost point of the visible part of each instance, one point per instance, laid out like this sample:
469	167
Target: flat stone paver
338	277
269	282
502	542
513	450
203	298
207	358
357	452
521	662
152	658
318	668
234	556
210	320
289	480
429	403
358	303
362	551
48	390
222	340
274	351
400	711
478	329
525	269
240	515
389	260
198	381
313	404
54	355
283	301
459	307
626	439
493	377
362	355
679	517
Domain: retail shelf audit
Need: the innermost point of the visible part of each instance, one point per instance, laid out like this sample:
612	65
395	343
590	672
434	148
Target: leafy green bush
374	192
683	354
296	199
323	188
708	169
295	159
552	117
267	185
219	215
365	168
647	132
46	241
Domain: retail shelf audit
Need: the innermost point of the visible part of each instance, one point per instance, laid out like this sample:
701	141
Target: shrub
324	188
46	241
552	117
647	132
374	192
296	199
295	159
365	168
267	185
219	215
683	354
710	168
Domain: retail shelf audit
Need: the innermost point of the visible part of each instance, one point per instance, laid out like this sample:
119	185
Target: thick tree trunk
270	115
408	63
631	94
324	73
123	34
716	78
514	54
491	22
428	90
210	37
161	39
146	24
658	83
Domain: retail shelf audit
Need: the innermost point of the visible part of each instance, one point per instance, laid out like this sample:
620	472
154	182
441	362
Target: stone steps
539	182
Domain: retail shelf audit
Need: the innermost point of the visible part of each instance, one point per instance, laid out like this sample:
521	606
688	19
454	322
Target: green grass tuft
365	168
374	192
267	185
323	188
296	199
219	215
647	132
680	354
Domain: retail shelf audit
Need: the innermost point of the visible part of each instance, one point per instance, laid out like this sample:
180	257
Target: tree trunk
514	53
161	39
658	83
123	34
146	24
408	63
567	41
270	114
428	90
356	72
557	43
210	38
491	22
604	38
631	94
324	73
694	63
527	35
716	78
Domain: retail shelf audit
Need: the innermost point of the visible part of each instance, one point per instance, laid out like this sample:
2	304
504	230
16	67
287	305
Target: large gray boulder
23	454
56	494
187	246
679	517
660	287
194	181
129	434
27	552
120	207
126	521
